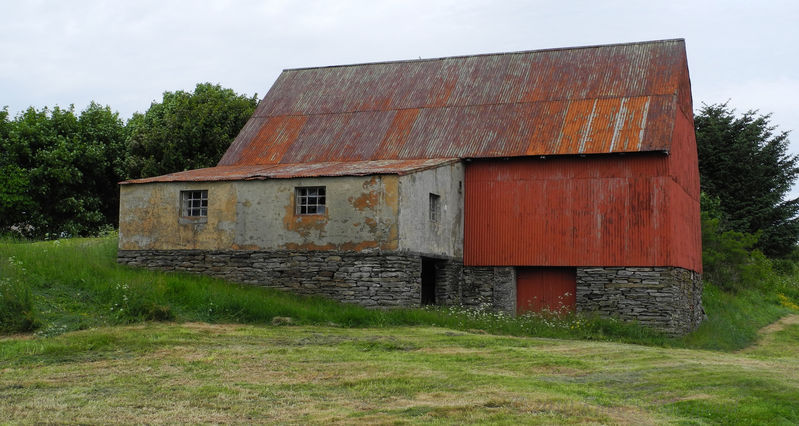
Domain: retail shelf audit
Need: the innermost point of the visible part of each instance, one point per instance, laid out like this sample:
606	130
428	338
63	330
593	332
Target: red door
553	289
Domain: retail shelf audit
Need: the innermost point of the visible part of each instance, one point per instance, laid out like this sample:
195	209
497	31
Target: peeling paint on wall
361	214
150	217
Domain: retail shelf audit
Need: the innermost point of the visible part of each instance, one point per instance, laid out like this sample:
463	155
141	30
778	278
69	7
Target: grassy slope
76	284
197	372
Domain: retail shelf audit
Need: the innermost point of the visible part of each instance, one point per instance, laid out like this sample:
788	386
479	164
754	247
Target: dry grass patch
201	373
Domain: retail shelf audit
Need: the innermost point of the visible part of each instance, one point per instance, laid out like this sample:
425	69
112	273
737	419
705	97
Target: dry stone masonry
364	279
665	298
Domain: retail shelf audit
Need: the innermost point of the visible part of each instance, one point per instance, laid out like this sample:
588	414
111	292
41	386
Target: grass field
198	372
106	343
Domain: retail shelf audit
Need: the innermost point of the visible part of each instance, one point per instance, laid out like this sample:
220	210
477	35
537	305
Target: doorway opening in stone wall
429	278
546	289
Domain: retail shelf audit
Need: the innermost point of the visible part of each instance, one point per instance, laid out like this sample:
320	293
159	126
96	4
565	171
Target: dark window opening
435	207
429	281
310	200
194	203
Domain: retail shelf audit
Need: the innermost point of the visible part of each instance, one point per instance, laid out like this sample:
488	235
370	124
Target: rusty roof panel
635	69
286	171
587	126
600	99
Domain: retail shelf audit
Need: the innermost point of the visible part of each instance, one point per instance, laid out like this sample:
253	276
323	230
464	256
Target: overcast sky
126	54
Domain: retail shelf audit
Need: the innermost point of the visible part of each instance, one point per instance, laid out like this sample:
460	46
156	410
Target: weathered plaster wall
417	232
361	214
149	217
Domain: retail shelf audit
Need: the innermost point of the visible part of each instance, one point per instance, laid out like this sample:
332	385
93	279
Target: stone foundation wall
665	298
448	282
364	279
492	287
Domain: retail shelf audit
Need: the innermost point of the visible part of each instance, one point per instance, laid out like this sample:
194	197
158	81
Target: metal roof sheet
597	99
286	171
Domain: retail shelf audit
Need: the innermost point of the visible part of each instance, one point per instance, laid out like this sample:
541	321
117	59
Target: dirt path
767	333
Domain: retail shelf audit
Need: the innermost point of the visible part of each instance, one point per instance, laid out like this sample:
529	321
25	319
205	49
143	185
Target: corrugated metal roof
286	171
599	99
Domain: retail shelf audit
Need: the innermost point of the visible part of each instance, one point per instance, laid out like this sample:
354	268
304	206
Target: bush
728	257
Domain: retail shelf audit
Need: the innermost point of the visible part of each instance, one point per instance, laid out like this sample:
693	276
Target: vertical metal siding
684	202
553	289
609	211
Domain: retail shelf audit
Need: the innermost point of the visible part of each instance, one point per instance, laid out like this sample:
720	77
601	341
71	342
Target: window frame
434	208
310	200
194	201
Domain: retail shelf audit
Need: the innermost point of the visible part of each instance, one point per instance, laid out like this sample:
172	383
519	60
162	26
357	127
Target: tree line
59	169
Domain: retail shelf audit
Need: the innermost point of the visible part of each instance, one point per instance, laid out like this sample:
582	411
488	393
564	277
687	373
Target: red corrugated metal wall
554	289
614	210
684	196
638	209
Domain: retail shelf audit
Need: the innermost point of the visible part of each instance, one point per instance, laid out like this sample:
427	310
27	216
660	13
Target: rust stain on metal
571	211
397	133
272	141
589	100
286	171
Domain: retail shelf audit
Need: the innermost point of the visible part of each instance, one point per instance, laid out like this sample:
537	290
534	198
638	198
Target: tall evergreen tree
744	161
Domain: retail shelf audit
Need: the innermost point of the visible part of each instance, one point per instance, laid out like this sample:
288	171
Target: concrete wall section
361	215
417	232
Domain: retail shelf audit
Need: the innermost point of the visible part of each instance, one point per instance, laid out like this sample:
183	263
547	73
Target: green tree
186	130
58	171
744	162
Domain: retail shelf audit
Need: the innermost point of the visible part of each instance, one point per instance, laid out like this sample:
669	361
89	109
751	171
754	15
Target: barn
558	179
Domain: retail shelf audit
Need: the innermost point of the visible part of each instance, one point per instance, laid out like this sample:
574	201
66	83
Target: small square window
194	203
310	200
435	207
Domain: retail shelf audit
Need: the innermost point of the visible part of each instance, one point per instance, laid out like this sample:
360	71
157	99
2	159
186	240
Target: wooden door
553	289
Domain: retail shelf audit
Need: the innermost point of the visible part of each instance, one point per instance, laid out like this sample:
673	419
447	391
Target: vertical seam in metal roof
587	130
620	116
643	122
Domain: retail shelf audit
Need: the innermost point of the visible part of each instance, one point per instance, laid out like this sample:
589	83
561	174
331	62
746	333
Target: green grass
76	284
346	364
206	373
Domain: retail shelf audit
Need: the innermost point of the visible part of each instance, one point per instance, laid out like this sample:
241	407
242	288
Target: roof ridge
520	52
